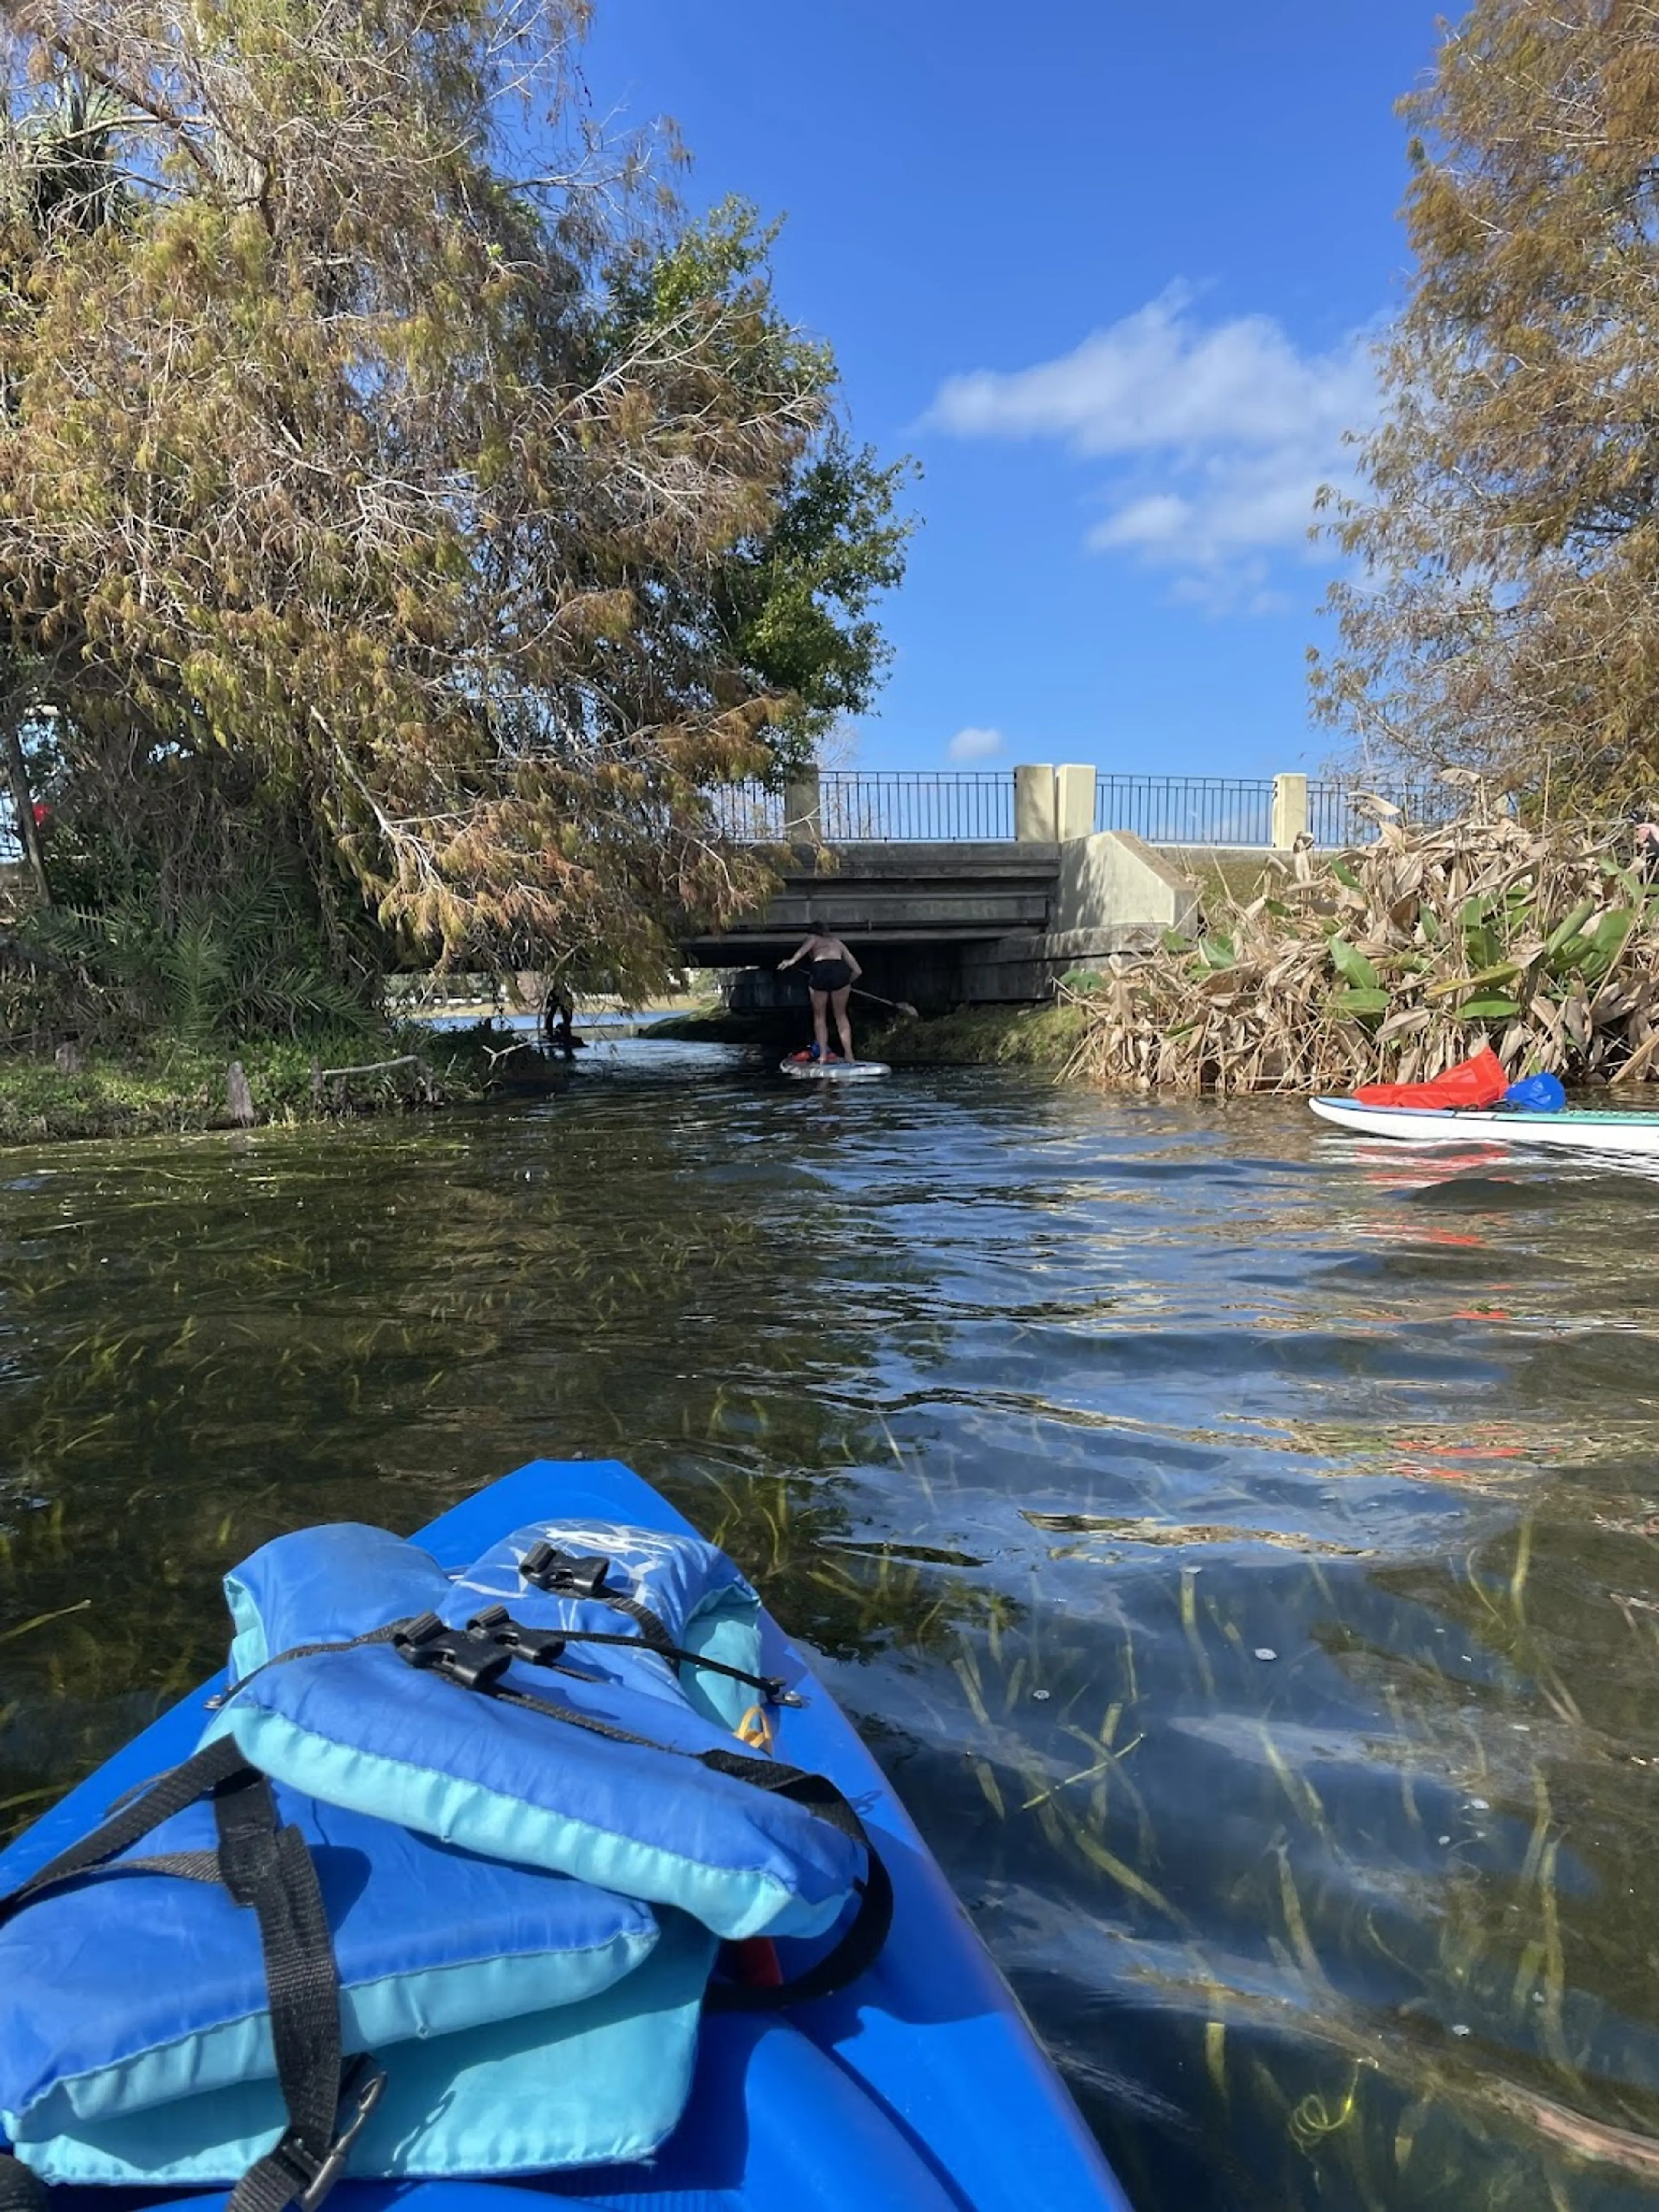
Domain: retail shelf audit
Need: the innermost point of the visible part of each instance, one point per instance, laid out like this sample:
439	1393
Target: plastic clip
467	1656
563	1572
537	1647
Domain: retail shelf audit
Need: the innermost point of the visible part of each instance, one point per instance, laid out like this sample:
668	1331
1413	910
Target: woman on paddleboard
829	978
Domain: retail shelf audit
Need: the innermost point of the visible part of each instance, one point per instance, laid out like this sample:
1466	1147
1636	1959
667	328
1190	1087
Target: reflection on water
1243	1548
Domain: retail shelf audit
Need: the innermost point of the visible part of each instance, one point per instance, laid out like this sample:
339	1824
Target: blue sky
1107	272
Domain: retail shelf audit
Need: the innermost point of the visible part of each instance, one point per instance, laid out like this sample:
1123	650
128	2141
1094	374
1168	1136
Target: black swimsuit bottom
829	975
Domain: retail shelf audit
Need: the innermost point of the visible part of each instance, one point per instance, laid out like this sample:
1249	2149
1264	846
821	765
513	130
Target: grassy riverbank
972	1036
175	1087
982	1037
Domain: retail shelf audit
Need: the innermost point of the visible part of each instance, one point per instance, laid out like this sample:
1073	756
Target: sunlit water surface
1238	1543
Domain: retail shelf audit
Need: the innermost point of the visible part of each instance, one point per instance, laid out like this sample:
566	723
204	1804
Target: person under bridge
832	973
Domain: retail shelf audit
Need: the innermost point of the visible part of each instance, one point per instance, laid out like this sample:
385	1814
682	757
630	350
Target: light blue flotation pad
514	2012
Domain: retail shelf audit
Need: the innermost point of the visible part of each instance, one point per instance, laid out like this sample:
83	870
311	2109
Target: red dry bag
1477	1082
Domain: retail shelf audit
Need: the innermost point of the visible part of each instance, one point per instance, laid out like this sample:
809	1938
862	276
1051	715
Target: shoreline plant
1391	963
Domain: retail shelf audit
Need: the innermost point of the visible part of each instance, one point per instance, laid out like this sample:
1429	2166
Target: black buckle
361	2087
466	1656
537	1647
563	1572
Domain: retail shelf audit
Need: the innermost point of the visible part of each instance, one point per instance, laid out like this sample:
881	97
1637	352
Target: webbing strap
168	1794
559	1575
546	1568
773	1687
268	1867
860	1942
777	1691
652	1629
862	1938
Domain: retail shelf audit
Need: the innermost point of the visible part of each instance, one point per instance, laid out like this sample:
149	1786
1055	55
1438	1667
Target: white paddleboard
1566	1130
835	1070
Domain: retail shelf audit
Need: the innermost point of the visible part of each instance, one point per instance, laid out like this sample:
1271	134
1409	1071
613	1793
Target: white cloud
975	744
1219	437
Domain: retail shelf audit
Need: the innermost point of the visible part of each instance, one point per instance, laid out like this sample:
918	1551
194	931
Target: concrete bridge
1000	915
981	886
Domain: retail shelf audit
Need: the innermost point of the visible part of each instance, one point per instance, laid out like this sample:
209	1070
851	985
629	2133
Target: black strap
536	1647
773	1687
859	1942
268	1867
563	1574
168	1794
382	1635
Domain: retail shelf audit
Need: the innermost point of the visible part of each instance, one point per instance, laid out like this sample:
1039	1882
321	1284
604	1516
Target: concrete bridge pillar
1034	804
1290	816
1052	804
1074	801
803	819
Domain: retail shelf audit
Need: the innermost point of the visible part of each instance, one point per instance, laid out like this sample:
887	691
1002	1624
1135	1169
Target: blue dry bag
1537	1094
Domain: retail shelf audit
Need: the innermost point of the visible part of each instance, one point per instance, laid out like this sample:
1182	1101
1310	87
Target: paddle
899	1006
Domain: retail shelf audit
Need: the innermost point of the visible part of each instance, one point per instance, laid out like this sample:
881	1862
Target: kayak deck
921	2088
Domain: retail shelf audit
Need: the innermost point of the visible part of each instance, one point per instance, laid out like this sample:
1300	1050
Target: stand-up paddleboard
835	1070
1634	1134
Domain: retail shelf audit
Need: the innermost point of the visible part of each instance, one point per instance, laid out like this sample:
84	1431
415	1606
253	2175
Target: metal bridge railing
849	806
1187	809
914	808
853	805
1336	818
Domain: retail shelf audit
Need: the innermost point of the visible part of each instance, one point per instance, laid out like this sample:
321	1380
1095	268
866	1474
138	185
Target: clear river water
1240	1545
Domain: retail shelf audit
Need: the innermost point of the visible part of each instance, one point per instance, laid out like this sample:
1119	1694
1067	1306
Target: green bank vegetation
180	1087
983	1036
411	522
1392	962
968	1036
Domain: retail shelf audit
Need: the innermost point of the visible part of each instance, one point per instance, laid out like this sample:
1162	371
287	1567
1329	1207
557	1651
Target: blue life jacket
636	1793
451	1898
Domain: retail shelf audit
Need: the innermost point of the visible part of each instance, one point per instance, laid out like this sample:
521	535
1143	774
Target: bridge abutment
964	924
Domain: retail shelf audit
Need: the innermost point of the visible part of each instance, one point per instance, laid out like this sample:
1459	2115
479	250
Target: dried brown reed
1392	962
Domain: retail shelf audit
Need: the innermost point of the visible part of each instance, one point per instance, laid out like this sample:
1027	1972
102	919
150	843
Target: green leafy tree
791	601
491	519
1505	613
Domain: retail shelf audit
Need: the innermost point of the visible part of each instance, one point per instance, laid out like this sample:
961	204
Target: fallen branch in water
372	1067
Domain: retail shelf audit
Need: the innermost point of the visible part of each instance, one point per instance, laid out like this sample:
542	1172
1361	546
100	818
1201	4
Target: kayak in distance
1566	1130
833	1071
870	2059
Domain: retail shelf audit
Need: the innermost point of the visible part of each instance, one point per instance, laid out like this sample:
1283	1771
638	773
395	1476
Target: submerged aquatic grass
1038	1418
